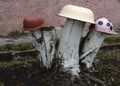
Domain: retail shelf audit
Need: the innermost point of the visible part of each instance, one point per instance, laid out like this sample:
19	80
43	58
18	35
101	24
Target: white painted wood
91	46
69	45
45	41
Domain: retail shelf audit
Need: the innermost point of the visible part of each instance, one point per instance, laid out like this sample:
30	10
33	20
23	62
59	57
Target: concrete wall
12	12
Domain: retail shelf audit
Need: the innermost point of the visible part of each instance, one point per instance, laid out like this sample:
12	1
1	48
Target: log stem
91	45
68	48
45	40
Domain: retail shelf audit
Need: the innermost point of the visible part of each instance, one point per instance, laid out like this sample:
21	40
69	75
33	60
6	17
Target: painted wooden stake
71	36
68	48
91	46
45	40
94	39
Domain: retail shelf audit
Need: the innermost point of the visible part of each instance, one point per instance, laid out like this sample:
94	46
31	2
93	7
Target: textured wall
12	12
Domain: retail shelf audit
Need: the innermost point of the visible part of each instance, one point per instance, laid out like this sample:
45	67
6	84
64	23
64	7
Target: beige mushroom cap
77	13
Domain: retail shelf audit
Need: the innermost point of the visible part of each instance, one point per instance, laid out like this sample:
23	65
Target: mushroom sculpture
44	38
73	28
94	39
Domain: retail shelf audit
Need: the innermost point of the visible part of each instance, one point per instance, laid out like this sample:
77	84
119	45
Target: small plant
118	30
17	47
1	84
25	61
16	34
109	53
112	39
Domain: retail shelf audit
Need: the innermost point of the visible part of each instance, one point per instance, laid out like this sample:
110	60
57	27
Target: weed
1	84
17	47
109	53
16	34
26	61
112	39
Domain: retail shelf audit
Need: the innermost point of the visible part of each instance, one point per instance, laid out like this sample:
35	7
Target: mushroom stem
92	43
69	45
45	41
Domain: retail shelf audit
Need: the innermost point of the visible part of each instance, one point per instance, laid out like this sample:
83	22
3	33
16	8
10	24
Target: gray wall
12	12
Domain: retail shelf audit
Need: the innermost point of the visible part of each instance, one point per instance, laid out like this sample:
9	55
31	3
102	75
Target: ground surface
28	71
24	72
4	41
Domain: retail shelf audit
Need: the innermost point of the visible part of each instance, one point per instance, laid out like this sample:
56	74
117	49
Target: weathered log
68	48
92	43
45	40
93	40
72	32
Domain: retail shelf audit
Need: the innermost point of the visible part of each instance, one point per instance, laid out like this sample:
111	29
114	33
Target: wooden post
72	32
94	39
45	40
69	45
92	43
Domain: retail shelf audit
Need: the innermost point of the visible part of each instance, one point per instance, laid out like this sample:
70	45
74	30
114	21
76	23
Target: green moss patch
26	61
108	53
16	34
112	39
17	47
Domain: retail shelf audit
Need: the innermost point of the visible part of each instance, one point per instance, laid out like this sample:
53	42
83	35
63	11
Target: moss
108	53
1	84
17	47
16	34
112	39
26	61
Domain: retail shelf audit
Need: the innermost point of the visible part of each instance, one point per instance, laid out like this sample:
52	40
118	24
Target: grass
112	39
2	84
28	72
25	71
109	53
26	61
17	47
29	45
118	30
17	34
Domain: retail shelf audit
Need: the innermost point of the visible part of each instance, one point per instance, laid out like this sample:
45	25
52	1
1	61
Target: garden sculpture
68	50
44	38
72	32
94	39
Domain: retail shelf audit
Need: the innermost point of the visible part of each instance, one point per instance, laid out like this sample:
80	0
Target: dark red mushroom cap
32	22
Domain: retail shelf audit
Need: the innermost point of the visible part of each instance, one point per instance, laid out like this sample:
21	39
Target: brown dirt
106	70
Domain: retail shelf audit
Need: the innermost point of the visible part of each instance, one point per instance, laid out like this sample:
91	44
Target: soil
105	71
